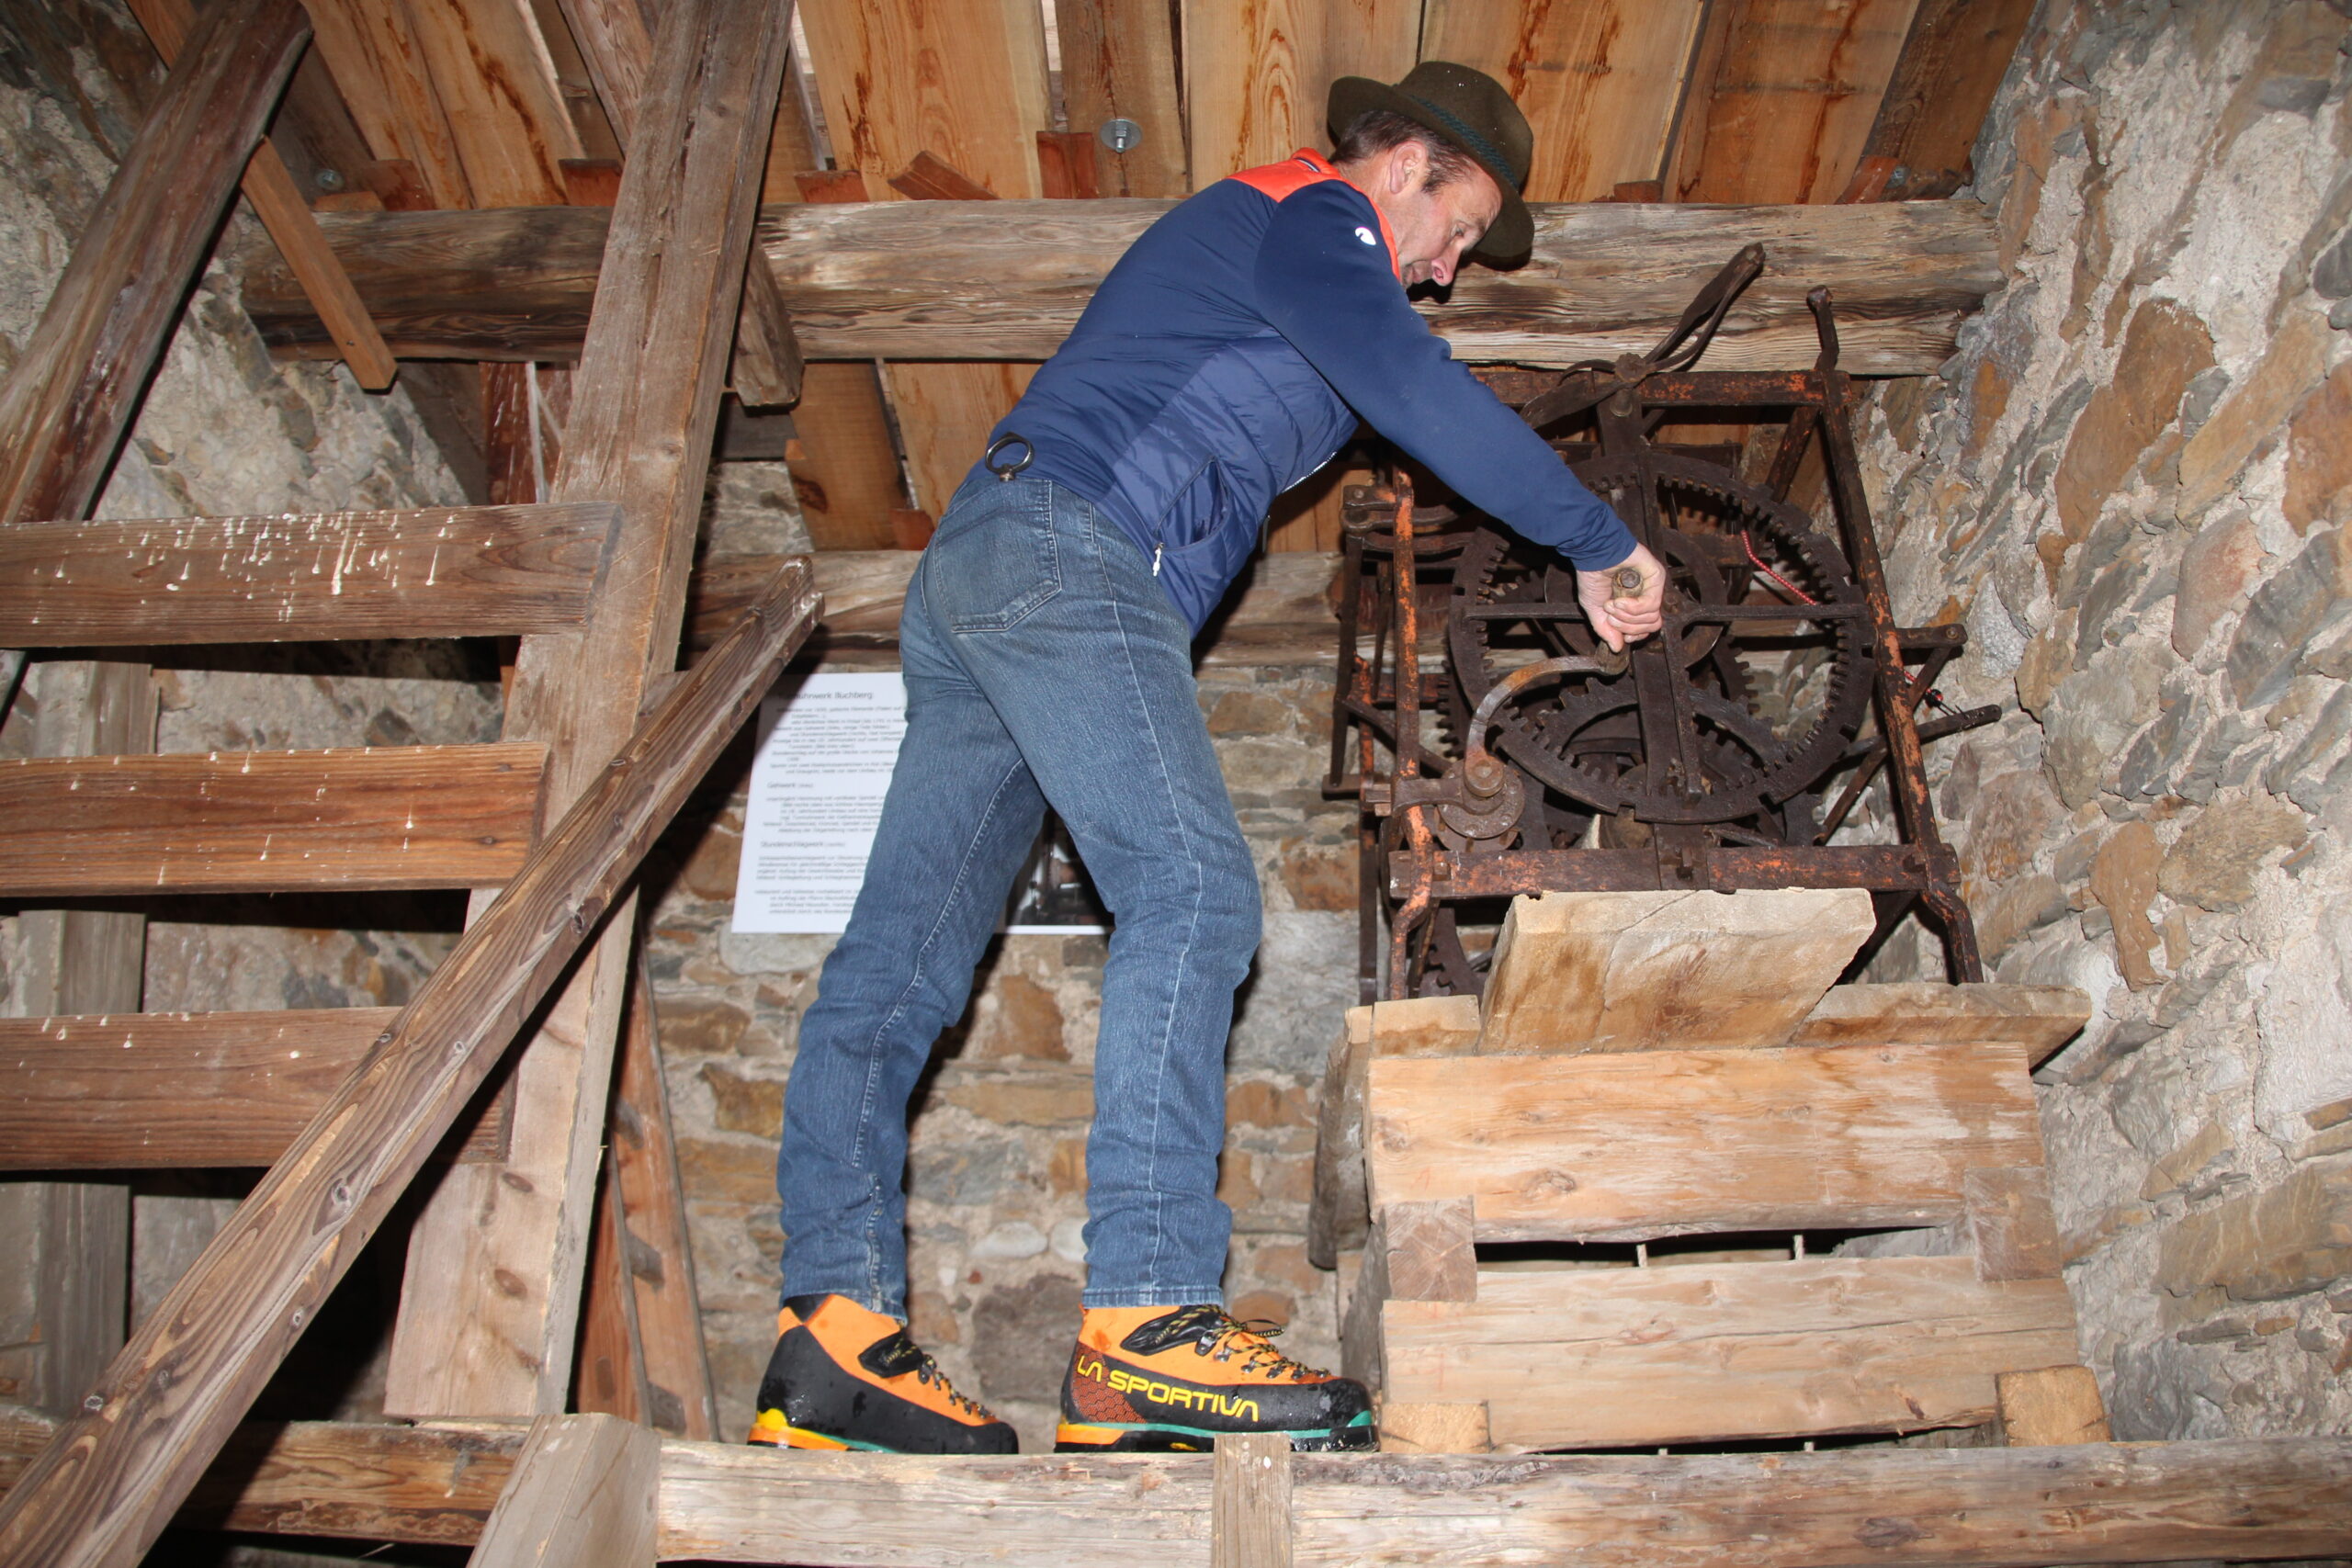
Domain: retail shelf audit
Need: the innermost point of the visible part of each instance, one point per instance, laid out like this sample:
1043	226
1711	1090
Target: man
1047	645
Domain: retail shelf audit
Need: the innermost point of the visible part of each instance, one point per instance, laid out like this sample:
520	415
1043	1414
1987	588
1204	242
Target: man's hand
1620	616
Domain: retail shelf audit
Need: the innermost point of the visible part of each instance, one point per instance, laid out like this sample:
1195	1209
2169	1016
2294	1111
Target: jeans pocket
991	575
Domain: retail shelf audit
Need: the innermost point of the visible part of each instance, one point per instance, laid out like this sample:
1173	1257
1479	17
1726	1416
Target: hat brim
1512	235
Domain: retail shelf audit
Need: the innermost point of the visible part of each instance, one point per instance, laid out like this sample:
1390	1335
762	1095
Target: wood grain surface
1629	1146
583	1491
113	1476
1709	1352
1006	280
438	571
268	821
1925	1012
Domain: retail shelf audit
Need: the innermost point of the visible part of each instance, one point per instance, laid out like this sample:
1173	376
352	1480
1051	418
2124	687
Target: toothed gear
1582	736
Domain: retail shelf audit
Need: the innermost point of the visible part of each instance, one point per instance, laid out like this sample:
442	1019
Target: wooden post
495	1261
271	188
76	385
1249	1508
2052	1406
583	1493
110	1480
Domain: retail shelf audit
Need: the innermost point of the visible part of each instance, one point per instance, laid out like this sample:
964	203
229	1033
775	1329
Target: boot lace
926	1372
1225	1337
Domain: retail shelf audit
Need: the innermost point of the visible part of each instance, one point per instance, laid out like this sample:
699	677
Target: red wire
1803	597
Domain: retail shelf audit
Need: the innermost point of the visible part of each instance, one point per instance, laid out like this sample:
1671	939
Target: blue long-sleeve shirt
1229	354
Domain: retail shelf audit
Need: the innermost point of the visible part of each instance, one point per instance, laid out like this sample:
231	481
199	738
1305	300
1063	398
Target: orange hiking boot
1170	1379
841	1377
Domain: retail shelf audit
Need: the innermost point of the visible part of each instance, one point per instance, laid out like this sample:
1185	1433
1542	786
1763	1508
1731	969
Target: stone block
1318	877
700	1026
2216	569
2286	615
1018	1018
1024	1101
2011	910
2148	767
1251	713
973	1171
2093	714
2123	879
2303	771
2301	1017
2259	1247
2214	862
716	1171
743	1105
2318	445
2014	814
2289	368
1021	1336
2164	347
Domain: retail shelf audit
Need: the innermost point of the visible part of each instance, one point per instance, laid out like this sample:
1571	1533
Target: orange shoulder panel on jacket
1308	168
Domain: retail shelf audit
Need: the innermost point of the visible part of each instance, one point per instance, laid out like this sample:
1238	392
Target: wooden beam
492	75
178	1090
1601	1147
1419	1026
278	203
495	1259
112	1477
351	817
378	61
585	1490
2237	1499
962	79
1004	280
1598	972
2050	1405
1709	1352
1943	84
1925	1012
1250	1522
76	383
437	571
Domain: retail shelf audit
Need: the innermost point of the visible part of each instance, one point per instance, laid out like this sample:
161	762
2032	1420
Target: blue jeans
1043	664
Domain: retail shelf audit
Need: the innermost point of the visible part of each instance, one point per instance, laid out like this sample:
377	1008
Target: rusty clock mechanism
1723	753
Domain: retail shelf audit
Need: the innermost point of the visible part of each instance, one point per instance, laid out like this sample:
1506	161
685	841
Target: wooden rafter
645	407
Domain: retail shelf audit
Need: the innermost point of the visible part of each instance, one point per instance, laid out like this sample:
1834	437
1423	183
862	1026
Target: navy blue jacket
1228	357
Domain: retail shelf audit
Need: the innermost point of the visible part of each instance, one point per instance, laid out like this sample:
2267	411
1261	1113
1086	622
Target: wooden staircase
602	738
1720	1207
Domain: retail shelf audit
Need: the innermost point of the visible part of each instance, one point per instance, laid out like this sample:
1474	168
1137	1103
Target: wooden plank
653	1231
645	409
951	281
617	48
349	818
113	1476
1119	63
945	412
119	1091
583	1491
66	1304
1790	107
1721	1351
2238	1500
1249	1523
964	79
2010	1221
846	474
1258	72
1428	1253
1434	1428
492	72
1597	82
378	61
1610	1145
2052	1406
75	385
421	1484
278	203
1598	972
1338	1214
437	571
1943	82
928	178
1065	170
1922	1012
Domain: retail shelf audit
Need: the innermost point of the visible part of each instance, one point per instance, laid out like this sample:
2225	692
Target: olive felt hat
1470	110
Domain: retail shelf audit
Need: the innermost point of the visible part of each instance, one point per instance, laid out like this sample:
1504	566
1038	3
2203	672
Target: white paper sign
826	750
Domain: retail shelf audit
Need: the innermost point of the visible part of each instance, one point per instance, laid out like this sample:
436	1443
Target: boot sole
1075	1437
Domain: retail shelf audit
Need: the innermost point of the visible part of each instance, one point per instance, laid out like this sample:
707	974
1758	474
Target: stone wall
2131	483
996	1183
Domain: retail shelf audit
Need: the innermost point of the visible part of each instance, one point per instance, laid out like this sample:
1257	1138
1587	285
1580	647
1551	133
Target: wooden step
399	817
1419	1026
1721	1351
1927	1013
1633	1146
1579	971
440	572
182	1090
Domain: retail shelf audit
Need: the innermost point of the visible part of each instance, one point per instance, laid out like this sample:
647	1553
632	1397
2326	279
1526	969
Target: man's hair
1374	131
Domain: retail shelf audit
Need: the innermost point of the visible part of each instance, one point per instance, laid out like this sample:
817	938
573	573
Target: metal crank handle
1628	582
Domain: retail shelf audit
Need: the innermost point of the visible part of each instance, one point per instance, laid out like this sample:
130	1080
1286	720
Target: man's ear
1407	168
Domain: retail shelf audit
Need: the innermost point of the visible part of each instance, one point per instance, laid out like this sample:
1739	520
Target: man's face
1433	228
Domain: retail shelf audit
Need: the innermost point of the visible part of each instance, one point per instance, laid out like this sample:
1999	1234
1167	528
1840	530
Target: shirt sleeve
1324	281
